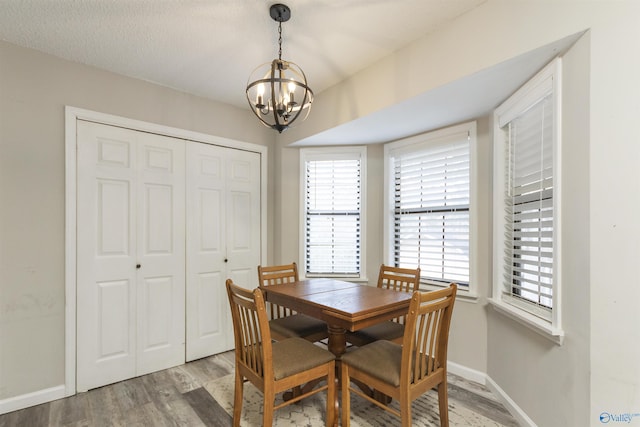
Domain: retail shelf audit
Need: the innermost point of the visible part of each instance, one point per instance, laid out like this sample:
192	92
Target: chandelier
277	91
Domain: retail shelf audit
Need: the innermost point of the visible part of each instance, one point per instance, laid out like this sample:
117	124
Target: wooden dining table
344	306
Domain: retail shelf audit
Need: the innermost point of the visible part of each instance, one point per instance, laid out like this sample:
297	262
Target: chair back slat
399	279
251	329
426	334
425	342
422	365
275	275
254	360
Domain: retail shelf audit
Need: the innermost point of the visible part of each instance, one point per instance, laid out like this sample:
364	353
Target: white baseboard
467	373
511	406
484	379
31	399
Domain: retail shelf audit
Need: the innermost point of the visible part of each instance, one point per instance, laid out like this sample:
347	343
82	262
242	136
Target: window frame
434	137
334	153
539	320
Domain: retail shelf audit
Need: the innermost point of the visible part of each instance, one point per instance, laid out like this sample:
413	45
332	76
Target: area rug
310	412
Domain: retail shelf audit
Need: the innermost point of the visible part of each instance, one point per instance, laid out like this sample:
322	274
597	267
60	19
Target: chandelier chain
280	40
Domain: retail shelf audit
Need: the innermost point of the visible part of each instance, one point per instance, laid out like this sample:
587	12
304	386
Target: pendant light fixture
277	91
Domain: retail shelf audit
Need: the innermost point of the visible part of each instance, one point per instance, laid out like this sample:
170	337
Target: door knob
138	266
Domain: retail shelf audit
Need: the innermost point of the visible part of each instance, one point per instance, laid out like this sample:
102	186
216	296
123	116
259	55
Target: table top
351	306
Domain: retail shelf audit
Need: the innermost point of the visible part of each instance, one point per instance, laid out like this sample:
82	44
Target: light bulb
292	89
259	103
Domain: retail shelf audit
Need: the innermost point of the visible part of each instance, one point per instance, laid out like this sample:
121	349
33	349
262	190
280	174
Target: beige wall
34	89
614	209
518	357
596	369
468	346
563	369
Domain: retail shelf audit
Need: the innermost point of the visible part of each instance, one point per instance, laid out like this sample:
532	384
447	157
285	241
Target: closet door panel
161	253
243	206
106	255
113	324
130	254
208	289
209	329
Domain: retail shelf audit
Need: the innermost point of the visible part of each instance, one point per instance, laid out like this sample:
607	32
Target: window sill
542	327
467	296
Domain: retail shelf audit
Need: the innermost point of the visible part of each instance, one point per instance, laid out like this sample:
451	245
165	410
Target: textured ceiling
209	48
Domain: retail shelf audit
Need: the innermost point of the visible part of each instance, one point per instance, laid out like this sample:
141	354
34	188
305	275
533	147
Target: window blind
431	209
529	205
333	217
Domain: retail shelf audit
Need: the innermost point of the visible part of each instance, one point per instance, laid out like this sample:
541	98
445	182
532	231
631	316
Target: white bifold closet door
130	254
161	223
223	240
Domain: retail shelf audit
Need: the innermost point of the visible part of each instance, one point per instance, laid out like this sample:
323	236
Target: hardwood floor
176	397
173	397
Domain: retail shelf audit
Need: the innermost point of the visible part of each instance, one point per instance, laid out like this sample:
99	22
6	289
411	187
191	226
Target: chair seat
295	355
407	370
275	367
380	359
297	325
381	331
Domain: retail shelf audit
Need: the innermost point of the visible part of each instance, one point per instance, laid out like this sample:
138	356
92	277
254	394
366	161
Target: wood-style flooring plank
209	368
146	415
182	379
160	387
131	394
489	408
34	416
104	408
69	411
209	411
475	388
181	413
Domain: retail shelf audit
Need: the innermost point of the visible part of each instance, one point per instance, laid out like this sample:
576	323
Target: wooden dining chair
405	371
398	279
284	322
274	367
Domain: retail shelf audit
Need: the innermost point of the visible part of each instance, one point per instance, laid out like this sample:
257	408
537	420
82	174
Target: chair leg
332	401
269	402
237	399
443	403
346	398
405	410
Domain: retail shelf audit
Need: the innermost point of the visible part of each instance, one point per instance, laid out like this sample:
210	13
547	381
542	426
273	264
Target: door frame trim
72	115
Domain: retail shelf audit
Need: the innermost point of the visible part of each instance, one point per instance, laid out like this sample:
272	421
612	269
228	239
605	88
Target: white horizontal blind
333	214
529	206
431	209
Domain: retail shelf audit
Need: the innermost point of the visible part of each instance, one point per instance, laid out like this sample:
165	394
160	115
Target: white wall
596	369
34	89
